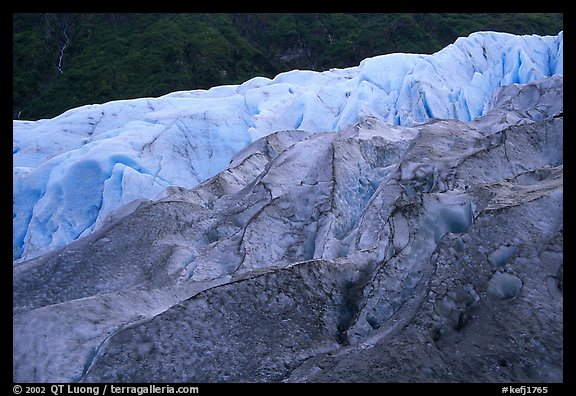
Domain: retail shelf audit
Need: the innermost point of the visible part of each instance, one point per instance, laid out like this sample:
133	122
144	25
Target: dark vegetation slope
61	61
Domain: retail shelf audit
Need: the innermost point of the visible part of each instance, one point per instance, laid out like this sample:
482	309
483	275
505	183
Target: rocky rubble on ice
378	253
73	171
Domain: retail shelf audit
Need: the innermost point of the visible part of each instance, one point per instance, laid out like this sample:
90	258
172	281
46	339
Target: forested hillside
65	60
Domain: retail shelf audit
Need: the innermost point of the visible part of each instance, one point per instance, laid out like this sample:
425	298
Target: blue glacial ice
72	171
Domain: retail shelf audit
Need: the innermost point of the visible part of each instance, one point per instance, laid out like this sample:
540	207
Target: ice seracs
72	171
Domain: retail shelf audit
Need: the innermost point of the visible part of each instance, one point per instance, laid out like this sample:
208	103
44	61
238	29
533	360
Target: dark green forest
65	60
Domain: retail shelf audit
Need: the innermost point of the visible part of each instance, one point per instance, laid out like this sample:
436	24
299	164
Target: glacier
346	226
77	172
378	253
